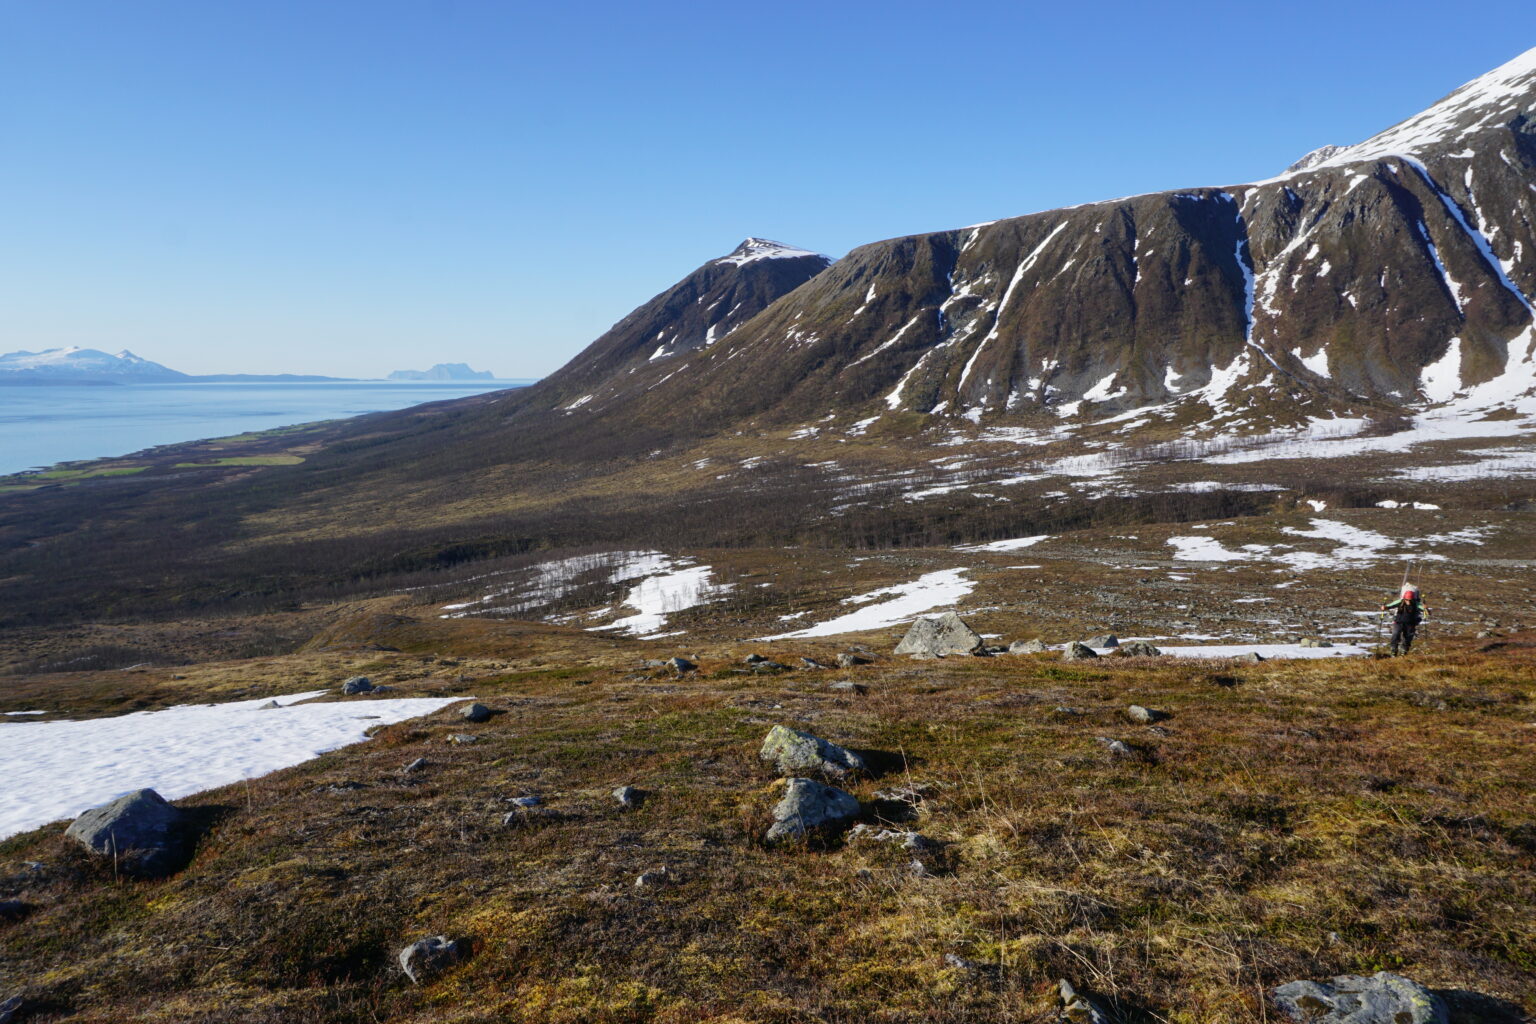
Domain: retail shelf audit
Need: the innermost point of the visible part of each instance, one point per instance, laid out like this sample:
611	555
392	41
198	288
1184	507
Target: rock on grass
799	753
1383	998
810	807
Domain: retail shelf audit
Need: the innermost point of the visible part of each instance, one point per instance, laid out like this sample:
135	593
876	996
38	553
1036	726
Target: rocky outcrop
425	958
143	834
940	637
810	808
799	753
1383	998
1079	652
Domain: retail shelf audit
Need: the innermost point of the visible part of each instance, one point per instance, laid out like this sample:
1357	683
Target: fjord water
40	426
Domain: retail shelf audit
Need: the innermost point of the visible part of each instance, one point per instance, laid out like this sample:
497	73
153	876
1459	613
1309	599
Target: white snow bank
682	587
1016	544
907	601
1266	651
1205	549
56	770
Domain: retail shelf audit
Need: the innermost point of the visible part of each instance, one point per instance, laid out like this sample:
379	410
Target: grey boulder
628	796
850	659
1144	716
1078	652
1138	649
140	831
809	806
475	712
1383	998
1027	647
940	637
680	665
426	957
9	1008
794	752
1105	640
357	684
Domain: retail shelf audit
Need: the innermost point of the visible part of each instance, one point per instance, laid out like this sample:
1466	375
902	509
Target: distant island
444	371
76	365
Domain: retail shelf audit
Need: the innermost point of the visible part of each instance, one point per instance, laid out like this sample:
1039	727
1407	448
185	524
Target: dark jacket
1408	611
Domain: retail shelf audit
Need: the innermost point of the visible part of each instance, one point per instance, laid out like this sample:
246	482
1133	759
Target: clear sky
355	186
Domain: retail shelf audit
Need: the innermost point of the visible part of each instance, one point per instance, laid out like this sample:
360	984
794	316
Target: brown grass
1312	819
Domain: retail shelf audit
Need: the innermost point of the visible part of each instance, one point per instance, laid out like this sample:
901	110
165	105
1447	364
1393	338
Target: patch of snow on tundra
1016	544
1206	549
656	597
56	770
905	602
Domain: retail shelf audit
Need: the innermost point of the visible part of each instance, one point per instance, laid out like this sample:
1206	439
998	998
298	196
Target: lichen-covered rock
475	712
1027	647
628	796
809	807
1104	640
1383	998
1144	716
357	684
143	834
426	957
1077	1008
1138	649
1078	652
940	637
799	753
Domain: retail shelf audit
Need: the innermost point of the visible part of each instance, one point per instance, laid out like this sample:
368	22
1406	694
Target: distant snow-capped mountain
76	363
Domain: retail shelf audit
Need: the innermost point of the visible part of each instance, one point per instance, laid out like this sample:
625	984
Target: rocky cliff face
1368	279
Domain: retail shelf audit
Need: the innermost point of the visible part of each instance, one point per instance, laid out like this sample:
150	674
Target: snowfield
906	602
56	770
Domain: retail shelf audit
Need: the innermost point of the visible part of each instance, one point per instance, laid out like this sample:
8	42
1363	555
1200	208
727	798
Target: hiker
1405	622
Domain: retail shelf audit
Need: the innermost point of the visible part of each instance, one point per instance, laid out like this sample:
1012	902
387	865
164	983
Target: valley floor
1288	819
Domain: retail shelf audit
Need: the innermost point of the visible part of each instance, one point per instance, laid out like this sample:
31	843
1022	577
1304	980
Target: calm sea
40	426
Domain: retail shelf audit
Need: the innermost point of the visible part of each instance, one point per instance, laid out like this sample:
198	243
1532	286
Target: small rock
912	793
807	807
628	796
1383	998
1252	657
270	705
864	875
793	752
913	841
940	637
140	831
524	801
1027	647
9	1008
680	665
754	659
851	659
1144	716
1077	1008
657	876
462	738
357	684
416	765
959	962
847	686
1115	747
475	712
1104	640
771	666
1078	652
426	957
1138	649
812	663
1060	710
653	663
340	787
13	910
917	869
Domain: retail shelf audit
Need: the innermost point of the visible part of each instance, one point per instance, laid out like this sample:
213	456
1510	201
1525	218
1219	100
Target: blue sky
354	187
